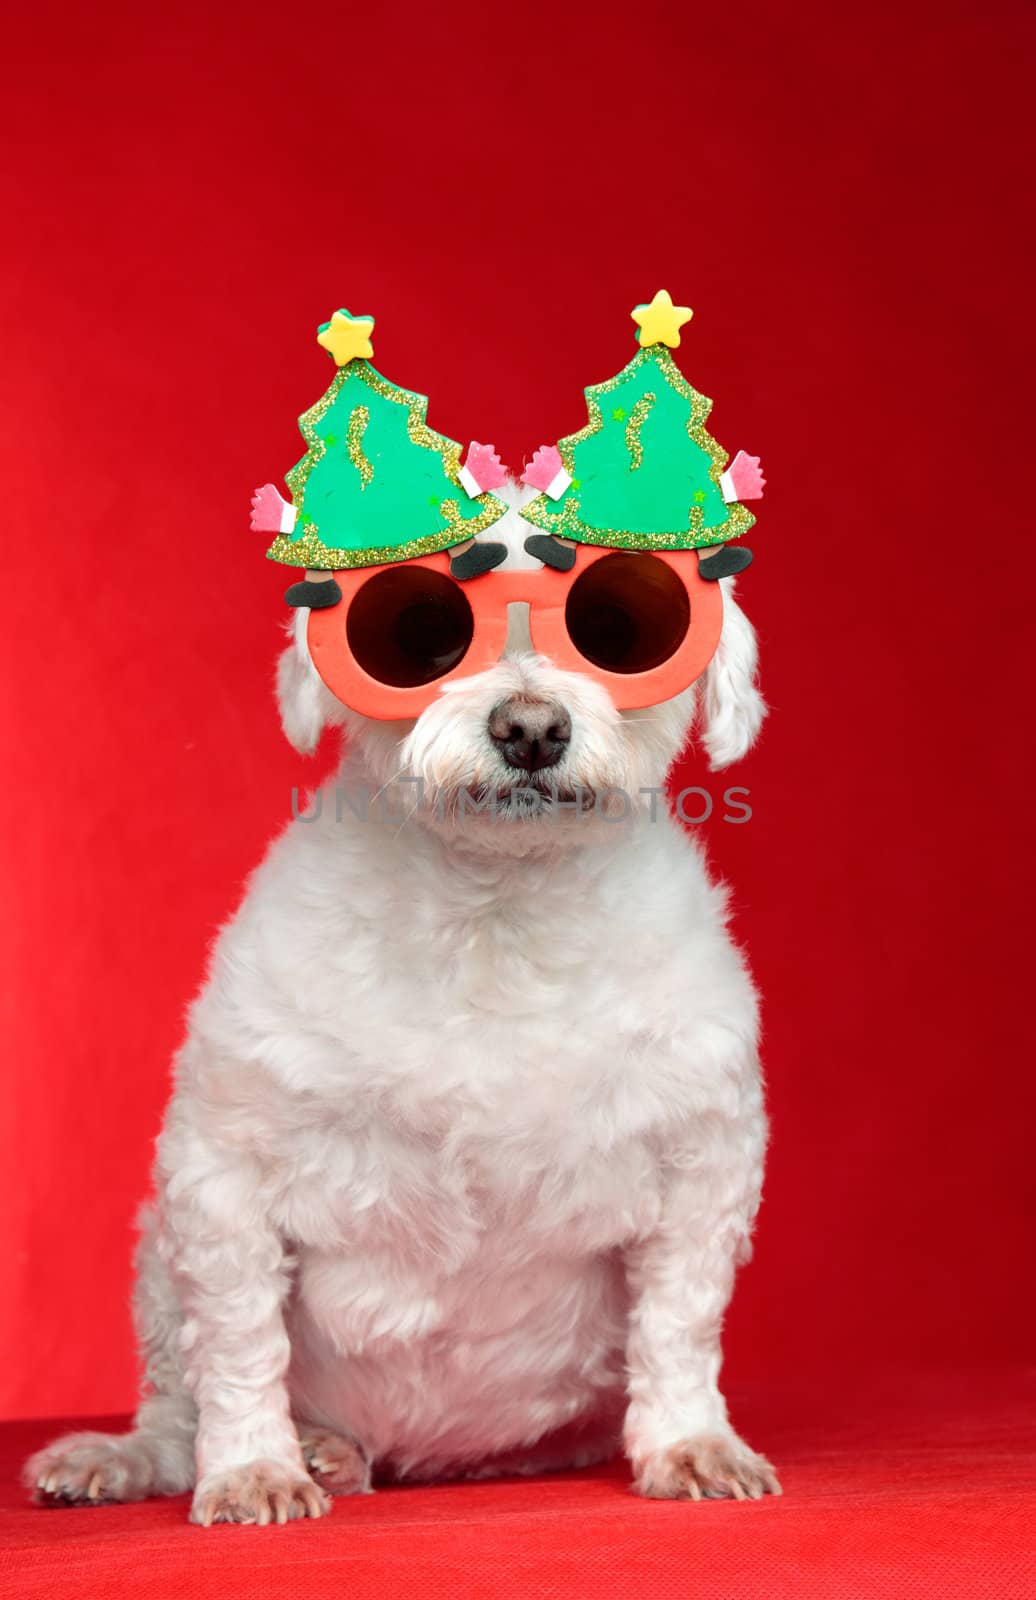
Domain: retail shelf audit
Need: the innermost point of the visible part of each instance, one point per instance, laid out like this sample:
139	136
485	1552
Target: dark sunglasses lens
628	612
409	625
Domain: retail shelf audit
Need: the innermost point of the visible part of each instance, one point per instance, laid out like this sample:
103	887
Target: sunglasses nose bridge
519	634
530	598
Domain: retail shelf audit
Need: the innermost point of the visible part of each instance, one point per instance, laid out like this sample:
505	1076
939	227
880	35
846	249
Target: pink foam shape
485	466
267	509
746	477
544	467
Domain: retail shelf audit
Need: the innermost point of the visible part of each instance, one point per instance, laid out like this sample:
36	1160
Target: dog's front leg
233	1274
677	1433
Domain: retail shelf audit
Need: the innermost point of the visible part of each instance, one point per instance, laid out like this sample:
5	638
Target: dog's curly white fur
467	1133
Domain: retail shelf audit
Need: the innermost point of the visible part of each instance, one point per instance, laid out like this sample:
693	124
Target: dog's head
526	741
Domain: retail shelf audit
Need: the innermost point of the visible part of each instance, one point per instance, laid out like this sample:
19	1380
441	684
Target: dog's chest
448	1231
483	1147
498	1089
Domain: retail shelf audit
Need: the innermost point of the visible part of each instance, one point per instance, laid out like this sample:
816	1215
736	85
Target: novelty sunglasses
643	625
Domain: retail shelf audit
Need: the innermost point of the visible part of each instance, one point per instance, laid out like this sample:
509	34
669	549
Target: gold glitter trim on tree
701	405
312	553
354	443
637	418
568	524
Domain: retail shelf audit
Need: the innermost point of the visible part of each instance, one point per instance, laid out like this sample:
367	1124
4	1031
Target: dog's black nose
530	734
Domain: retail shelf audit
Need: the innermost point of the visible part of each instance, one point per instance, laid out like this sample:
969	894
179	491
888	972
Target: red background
838	195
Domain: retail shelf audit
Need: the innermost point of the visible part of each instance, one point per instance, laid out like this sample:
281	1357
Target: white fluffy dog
467	1134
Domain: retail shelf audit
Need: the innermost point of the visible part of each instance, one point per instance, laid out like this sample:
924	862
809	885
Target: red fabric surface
836	191
920	1489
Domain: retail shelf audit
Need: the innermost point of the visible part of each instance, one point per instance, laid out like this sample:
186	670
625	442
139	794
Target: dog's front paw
717	1466
261	1492
335	1462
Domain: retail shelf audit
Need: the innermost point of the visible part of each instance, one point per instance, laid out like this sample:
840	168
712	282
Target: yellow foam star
347	337
661	321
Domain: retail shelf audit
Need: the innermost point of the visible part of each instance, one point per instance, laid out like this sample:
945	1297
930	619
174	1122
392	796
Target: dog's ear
306	705
732	709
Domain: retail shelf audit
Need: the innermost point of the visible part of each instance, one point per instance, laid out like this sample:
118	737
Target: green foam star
618	415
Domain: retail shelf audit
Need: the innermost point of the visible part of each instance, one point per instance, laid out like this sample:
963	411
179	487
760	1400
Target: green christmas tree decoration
376	483
645	472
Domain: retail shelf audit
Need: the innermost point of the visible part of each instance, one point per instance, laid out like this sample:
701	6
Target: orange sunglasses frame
546	592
